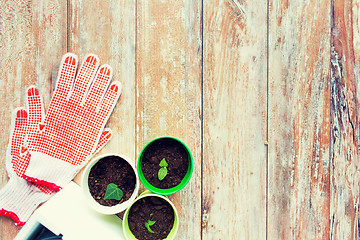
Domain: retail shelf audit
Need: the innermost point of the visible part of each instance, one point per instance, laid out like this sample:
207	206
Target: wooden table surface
265	94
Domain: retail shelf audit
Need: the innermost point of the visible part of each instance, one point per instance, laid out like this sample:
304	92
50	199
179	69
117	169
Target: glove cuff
19	199
49	171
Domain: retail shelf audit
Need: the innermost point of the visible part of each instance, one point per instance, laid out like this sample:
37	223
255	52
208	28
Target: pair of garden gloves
45	152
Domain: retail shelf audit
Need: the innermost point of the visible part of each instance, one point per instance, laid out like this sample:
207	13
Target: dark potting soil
154	209
176	157
111	169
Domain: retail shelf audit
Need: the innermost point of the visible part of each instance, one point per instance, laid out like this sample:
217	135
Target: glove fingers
104	139
17	135
66	77
18	130
99	86
109	101
84	78
19	155
35	107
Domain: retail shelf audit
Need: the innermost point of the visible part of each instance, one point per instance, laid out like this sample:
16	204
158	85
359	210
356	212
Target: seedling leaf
113	192
163	170
163	163
162	173
148	224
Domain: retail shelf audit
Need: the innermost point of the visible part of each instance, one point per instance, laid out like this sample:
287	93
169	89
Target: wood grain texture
264	93
107	28
299	119
235	122
168	64
32	40
345	96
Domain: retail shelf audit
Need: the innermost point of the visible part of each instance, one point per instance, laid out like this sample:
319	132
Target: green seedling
113	192
163	170
148	224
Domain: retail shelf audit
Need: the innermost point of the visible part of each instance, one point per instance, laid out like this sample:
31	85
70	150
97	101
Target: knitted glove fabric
78	111
19	198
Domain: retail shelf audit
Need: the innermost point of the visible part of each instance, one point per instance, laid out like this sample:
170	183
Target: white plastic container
93	203
67	214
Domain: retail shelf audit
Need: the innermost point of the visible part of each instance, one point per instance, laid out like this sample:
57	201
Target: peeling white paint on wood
299	112
32	41
234	176
169	90
265	94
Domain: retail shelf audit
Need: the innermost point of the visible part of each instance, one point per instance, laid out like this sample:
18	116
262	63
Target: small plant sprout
163	170
113	192
148	224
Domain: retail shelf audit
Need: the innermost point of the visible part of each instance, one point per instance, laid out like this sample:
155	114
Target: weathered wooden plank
169	90
107	28
235	120
345	165
32	40
299	119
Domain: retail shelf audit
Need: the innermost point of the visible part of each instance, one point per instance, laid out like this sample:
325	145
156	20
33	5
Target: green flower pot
126	229
167	191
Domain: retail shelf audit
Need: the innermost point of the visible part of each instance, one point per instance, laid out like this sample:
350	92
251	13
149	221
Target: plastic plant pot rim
92	202
167	191
130	236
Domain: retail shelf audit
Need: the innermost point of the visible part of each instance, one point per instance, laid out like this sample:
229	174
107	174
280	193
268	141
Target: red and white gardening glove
19	198
78	112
